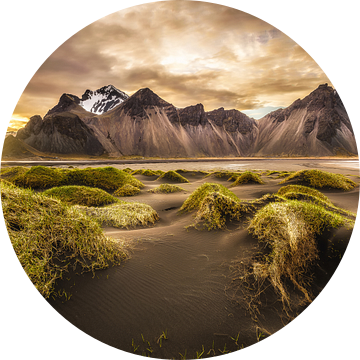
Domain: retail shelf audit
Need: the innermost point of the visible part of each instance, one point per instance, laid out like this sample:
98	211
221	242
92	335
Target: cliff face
317	125
60	133
144	124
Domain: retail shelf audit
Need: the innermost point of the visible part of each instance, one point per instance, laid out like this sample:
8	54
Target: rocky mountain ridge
145	124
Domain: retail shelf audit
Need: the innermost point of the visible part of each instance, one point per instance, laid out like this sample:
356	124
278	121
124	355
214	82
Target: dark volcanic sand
176	277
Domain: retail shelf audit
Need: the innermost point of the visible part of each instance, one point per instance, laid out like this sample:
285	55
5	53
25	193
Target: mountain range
108	121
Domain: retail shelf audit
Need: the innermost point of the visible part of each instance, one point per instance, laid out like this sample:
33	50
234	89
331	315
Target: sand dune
179	279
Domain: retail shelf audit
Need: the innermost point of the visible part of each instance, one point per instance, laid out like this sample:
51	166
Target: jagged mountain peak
148	97
103	99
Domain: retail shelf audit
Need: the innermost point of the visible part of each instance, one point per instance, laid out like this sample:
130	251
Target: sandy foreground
179	280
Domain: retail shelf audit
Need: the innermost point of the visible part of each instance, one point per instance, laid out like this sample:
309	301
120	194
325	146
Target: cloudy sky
186	52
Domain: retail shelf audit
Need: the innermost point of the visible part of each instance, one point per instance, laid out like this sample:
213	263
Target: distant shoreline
154	161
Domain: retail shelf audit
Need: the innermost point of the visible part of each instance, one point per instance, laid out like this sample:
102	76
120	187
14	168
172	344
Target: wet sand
176	277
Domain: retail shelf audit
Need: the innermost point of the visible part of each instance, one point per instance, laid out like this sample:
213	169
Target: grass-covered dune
216	205
50	236
127	190
147	172
320	179
81	195
123	215
173	176
166	189
290	230
42	177
247	177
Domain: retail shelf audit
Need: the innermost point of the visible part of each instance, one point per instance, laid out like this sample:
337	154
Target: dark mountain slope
61	133
317	125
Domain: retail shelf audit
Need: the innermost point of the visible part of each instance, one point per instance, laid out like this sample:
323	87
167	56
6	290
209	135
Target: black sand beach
178	280
177	283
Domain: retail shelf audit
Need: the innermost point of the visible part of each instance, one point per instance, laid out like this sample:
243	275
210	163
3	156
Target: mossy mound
195	199
279	174
192	172
81	195
173	176
217	209
290	230
228	175
128	170
216	205
320	179
166	188
49	236
293	192
123	215
147	172
42	177
127	190
11	173
247	177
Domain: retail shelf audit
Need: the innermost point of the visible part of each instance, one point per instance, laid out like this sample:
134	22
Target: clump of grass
123	215
193	172
166	188
106	178
50	237
216	205
216	209
173	176
229	175
279	174
195	199
42	177
290	229
247	177
128	170
10	173
81	195
320	179
293	192
127	190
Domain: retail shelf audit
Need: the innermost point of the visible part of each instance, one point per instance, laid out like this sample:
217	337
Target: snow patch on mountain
102	100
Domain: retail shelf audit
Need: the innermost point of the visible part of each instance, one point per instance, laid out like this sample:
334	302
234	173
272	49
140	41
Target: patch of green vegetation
293	192
42	177
166	188
123	215
49	237
195	199
216	205
81	195
128	170
173	176
216	209
247	177
229	175
290	229
279	174
192	172
321	179
10	173
106	178
127	190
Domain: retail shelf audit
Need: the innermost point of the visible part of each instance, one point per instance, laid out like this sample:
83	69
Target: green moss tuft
81	195
166	188
247	177
42	177
173	176
123	215
195	199
216	209
127	190
320	179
